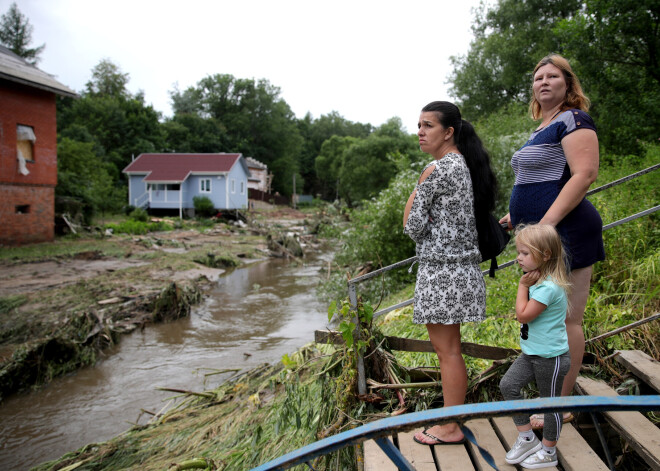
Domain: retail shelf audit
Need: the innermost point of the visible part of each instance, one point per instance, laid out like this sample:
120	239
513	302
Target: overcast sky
367	60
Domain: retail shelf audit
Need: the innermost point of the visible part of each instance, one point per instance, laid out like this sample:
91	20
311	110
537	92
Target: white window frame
242	187
233	185
208	185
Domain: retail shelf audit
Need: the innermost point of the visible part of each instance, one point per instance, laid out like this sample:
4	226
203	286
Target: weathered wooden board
634	427
486	352
575	453
421	456
487	439
507	432
642	365
375	459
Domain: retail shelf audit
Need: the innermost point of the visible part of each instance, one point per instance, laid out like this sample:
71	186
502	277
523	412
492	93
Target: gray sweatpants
549	375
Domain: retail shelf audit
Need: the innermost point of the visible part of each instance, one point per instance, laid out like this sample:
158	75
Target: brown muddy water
253	315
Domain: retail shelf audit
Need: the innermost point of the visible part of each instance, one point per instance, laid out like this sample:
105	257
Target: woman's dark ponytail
484	183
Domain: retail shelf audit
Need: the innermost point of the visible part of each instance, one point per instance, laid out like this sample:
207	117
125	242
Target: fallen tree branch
624	328
209	395
377	385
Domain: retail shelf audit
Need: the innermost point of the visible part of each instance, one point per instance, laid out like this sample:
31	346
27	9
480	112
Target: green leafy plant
203	206
346	316
138	214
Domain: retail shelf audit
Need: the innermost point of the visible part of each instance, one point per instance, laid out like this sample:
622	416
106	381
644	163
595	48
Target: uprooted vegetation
258	415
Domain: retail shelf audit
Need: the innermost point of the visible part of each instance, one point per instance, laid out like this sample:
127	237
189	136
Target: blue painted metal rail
381	429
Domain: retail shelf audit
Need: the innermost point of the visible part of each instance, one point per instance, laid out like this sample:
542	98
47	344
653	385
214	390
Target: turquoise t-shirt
546	336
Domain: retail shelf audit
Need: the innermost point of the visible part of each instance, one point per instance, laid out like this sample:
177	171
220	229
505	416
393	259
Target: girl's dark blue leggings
549	376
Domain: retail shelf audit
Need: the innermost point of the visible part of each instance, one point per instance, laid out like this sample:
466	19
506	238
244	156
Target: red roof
177	167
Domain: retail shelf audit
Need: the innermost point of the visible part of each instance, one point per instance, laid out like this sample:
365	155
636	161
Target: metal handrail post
603	441
362	379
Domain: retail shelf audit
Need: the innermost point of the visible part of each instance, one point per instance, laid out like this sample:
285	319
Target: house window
23	209
233	185
242	187
205	185
25	140
173	186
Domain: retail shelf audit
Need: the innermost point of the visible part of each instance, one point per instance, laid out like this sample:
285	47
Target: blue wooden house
171	181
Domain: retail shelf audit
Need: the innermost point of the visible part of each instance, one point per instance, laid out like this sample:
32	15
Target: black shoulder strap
493	267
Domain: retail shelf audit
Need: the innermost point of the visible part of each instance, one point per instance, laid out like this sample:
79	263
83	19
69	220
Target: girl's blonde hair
543	240
575	97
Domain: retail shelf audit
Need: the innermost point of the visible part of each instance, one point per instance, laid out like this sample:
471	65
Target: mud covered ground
60	304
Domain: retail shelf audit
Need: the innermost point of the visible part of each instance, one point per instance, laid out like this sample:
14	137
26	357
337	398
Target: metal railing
142	200
352	283
379	430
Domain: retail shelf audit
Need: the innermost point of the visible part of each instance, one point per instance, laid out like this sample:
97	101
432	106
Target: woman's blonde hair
575	97
543	240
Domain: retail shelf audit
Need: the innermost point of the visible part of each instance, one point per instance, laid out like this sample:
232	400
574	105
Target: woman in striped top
554	170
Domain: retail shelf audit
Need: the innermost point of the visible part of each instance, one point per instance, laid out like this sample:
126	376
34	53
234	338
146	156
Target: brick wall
36	108
35	225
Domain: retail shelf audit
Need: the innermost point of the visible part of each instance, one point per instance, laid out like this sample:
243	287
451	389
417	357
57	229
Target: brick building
28	150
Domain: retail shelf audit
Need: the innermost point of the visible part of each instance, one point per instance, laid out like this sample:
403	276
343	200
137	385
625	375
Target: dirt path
22	279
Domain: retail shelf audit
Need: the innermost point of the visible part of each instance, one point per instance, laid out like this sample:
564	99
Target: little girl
541	307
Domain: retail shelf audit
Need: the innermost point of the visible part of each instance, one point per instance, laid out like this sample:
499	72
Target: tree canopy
16	34
613	47
256	121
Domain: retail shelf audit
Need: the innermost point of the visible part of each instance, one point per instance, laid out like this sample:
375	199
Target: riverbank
62	303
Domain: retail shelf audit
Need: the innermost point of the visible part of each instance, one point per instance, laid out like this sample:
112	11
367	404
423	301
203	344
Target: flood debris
174	302
284	245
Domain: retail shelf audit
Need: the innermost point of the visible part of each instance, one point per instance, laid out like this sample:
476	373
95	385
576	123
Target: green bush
134	227
203	206
138	214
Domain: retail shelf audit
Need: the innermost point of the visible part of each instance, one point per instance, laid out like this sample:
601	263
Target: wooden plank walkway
498	434
641	365
495	435
638	431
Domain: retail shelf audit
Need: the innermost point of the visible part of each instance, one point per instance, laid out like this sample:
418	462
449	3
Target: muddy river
253	315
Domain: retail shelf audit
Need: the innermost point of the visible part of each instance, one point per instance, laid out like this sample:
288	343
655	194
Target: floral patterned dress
450	287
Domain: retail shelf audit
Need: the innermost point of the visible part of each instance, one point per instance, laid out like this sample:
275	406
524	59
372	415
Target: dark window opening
22	209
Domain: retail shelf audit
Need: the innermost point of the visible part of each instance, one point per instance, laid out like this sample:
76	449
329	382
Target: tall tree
616	50
83	175
121	124
108	81
187	132
16	34
509	39
328	164
257	121
369	164
315	132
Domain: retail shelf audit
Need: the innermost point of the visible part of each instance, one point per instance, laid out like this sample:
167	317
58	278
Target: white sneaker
540	459
522	449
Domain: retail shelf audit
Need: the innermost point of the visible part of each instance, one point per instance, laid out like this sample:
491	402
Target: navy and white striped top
541	172
542	158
